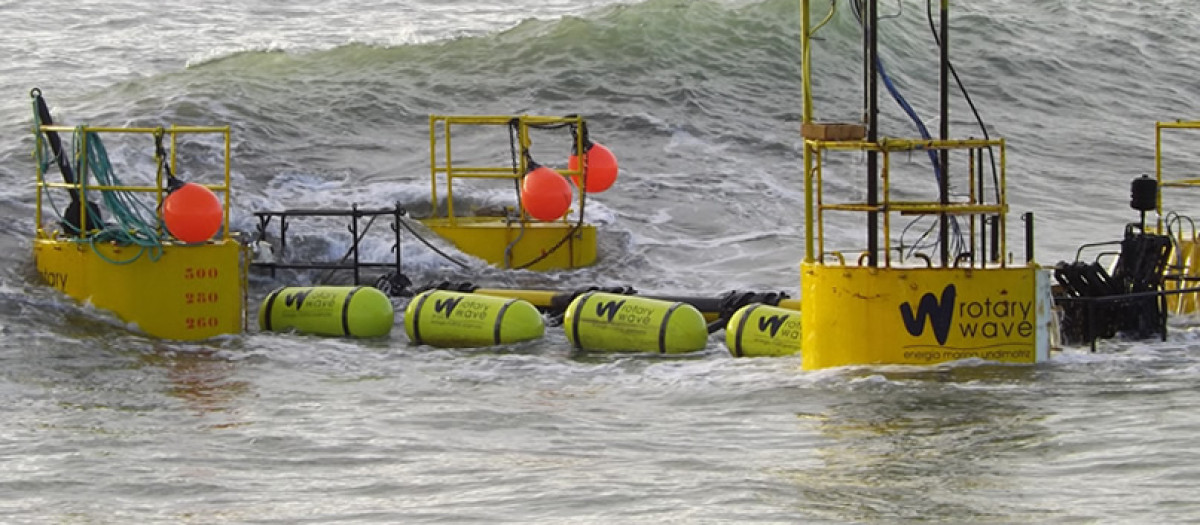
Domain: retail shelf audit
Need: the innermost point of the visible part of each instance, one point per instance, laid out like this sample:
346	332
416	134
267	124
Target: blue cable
856	5
912	114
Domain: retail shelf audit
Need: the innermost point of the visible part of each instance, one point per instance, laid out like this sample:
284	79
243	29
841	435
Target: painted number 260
194	323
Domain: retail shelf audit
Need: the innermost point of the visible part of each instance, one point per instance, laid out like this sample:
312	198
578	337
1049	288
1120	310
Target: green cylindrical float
601	321
763	330
355	311
449	319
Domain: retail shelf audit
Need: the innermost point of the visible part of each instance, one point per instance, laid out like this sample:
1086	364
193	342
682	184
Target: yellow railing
1184	269
83	184
442	160
1164	182
1187	182
972	206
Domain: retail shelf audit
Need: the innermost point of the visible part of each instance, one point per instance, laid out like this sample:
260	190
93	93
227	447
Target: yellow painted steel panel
921	316
488	238
191	292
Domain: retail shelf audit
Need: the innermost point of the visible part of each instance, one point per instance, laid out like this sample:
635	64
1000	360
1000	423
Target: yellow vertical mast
806	118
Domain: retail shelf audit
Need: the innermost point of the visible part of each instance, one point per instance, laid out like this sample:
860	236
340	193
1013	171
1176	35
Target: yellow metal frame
814	151
83	186
1186	256
889	313
450	171
507	241
814	154
1189	182
187	292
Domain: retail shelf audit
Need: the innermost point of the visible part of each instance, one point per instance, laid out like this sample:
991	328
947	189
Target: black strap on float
741	329
416	321
420	296
662	328
575	320
496	330
71	217
268	305
346	310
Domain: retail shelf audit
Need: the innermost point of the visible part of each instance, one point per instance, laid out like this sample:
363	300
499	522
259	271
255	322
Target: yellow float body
598	321
454	319
188	292
921	316
353	311
763	330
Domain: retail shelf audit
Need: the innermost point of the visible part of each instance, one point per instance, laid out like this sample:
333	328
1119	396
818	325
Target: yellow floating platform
190	292
539	246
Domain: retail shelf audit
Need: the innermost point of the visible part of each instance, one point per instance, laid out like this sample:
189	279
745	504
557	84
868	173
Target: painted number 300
199	273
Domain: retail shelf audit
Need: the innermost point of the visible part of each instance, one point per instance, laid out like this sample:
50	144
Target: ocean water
700	100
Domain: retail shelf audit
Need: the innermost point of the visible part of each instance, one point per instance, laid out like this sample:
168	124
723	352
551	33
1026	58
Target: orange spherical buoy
601	168
545	194
192	213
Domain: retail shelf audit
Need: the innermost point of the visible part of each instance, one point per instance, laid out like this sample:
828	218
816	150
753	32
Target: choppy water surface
329	105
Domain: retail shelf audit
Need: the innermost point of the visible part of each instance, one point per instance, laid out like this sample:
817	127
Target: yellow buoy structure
538	233
107	247
343	311
598	321
758	330
445	319
953	292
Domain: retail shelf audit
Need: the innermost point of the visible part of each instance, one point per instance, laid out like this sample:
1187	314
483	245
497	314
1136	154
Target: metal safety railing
446	168
1183	273
1183	182
85	182
352	261
973	205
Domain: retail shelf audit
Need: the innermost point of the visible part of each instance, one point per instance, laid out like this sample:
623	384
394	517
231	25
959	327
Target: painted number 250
200	297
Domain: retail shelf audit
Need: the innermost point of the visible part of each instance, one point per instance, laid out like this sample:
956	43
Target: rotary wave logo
940	314
608	309
994	319
772	324
446	306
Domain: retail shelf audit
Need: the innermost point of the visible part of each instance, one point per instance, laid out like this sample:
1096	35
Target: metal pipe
944	132
1028	216
806	117
871	37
